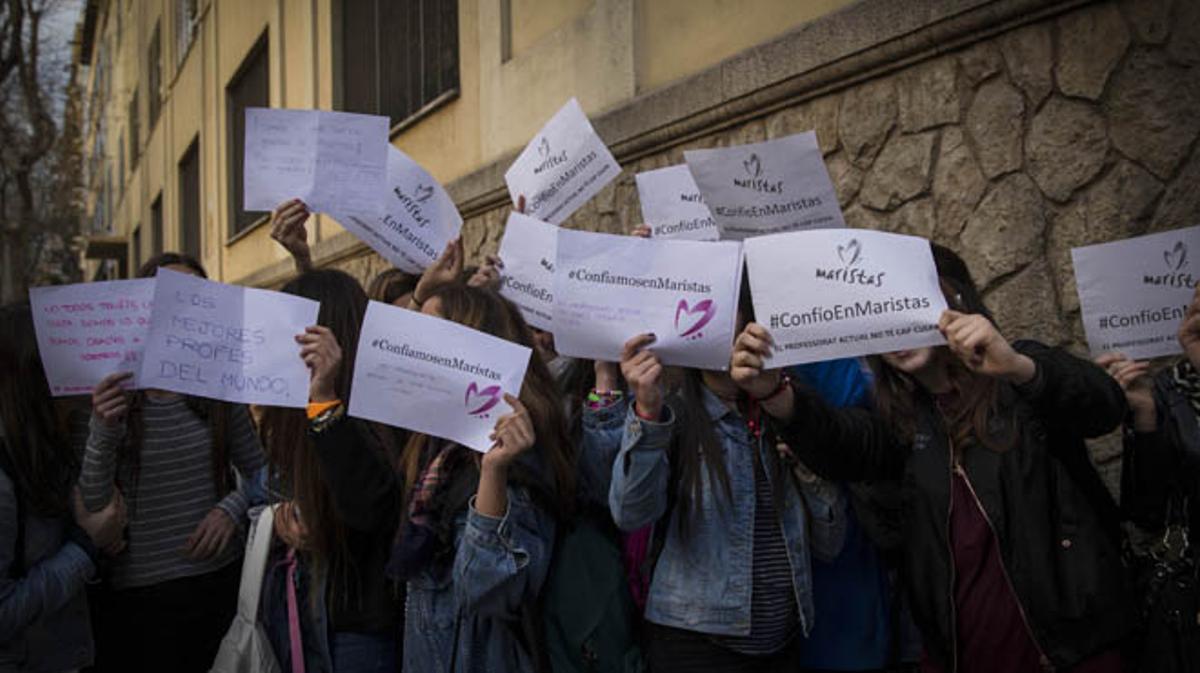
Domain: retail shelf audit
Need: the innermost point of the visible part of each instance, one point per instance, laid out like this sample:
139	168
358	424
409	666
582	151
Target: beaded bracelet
599	399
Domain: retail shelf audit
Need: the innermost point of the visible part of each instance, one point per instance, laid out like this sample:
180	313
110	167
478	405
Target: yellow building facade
166	81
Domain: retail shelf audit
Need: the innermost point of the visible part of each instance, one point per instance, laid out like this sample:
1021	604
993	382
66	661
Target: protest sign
336	162
608	289
87	331
527	278
766	188
434	376
837	293
564	165
672	206
416	221
1133	293
227	342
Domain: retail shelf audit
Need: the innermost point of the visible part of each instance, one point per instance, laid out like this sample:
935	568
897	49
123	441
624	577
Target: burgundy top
992	634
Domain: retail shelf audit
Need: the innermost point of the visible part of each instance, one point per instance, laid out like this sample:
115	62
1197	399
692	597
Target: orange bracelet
317	408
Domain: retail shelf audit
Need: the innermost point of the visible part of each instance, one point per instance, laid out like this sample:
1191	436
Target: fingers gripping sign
643	371
748	366
980	346
323	356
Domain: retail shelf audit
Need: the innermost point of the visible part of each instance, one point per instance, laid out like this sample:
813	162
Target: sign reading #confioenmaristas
609	289
672	206
1133	293
87	331
227	342
527	280
333	161
767	188
837	293
564	165
434	376
417	220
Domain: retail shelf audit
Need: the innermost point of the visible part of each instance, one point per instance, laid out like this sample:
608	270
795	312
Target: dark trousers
175	625
675	650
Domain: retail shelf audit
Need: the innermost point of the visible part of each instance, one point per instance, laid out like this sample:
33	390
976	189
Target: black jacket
1163	467
1057	526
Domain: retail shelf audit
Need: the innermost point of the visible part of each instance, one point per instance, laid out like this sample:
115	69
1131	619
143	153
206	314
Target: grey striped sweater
175	488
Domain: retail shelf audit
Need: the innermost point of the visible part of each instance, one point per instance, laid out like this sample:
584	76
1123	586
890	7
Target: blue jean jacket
703	584
466	616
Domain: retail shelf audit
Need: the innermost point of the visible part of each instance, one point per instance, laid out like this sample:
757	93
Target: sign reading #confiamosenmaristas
837	293
527	280
417	220
1133	293
766	188
672	206
434	376
227	342
609	289
563	167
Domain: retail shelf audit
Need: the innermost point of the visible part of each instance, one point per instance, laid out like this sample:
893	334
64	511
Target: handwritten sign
609	289
227	342
1133	293
563	167
837	293
417	220
528	251
672	206
87	331
434	376
336	162
766	188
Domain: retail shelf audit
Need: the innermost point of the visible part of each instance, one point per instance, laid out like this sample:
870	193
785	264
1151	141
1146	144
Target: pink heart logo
481	400
704	309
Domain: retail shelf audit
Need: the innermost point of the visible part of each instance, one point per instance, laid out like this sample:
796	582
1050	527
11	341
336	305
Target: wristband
599	399
785	381
326	419
645	417
317	408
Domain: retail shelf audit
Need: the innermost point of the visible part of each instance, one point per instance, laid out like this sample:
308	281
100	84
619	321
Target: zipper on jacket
1003	569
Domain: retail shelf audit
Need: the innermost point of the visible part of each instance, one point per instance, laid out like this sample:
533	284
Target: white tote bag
245	648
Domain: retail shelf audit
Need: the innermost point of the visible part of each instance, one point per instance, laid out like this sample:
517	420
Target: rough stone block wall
1069	131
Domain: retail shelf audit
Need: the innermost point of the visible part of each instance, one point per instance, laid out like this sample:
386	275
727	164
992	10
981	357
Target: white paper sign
336	162
838	293
87	331
528	252
227	342
672	205
434	376
564	165
417	220
766	188
1133	293
608	289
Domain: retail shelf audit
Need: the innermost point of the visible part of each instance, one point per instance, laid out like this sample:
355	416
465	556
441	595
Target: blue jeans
363	653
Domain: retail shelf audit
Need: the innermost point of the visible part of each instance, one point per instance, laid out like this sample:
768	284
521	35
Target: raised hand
747	366
445	271
488	273
643	372
321	353
513	435
110	399
1139	389
641	231
287	228
976	342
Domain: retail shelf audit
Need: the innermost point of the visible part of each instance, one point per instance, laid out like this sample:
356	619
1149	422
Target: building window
134	131
136	244
189	200
250	87
187	16
156	225
399	57
154	66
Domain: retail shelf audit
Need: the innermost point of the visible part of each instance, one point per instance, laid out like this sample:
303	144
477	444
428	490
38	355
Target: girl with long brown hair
1010	540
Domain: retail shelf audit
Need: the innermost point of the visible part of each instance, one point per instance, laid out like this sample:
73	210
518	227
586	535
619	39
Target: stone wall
1078	127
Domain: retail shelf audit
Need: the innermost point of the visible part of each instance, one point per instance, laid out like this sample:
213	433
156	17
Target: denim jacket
465	616
704	584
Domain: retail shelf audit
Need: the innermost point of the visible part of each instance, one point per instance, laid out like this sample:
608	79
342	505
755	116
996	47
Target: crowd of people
933	509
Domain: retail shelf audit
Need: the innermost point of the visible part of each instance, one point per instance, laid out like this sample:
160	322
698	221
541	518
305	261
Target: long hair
973	419
285	431
391	284
213	412
488	312
43	464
